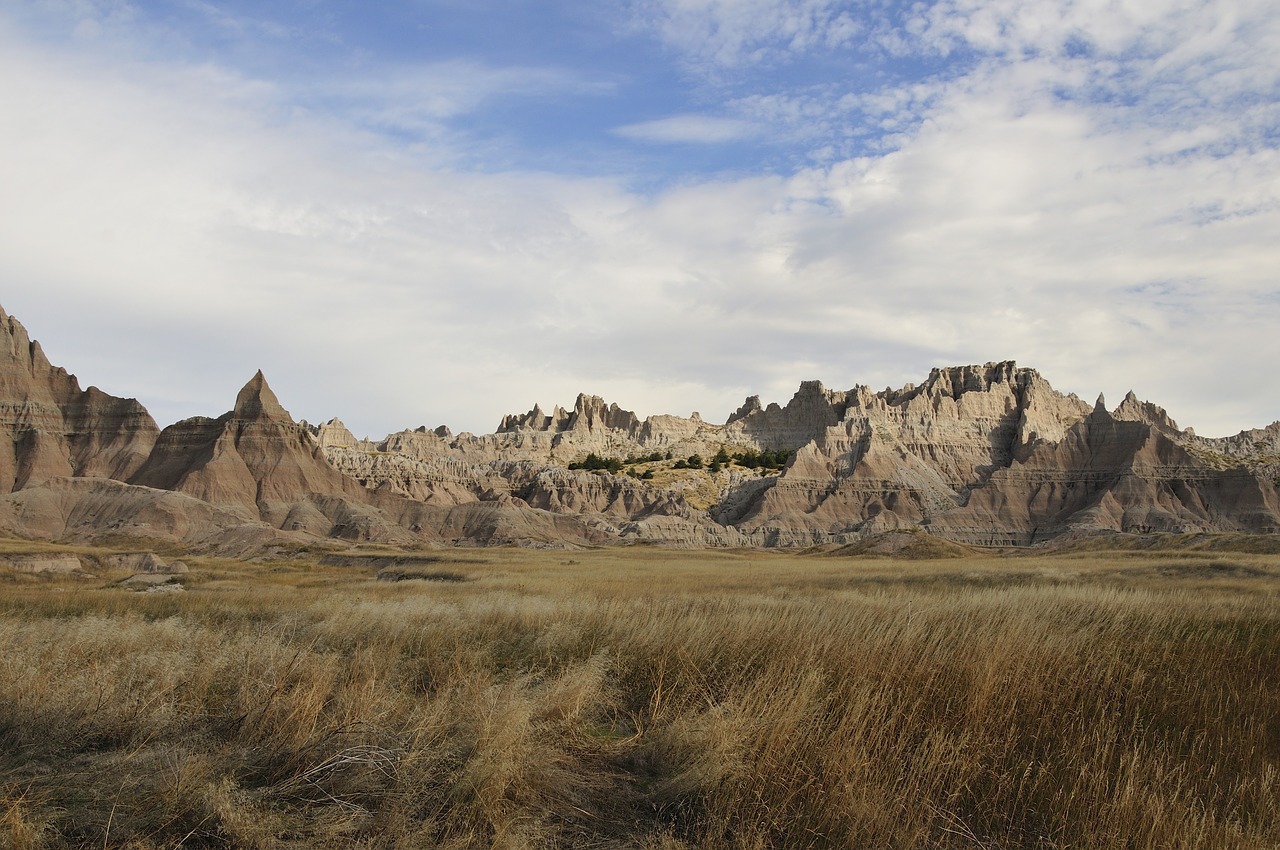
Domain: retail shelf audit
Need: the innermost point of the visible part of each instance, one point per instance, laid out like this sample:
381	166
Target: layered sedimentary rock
988	455
953	455
84	466
592	426
254	459
1257	449
256	462
806	417
900	457
50	428
1110	474
103	510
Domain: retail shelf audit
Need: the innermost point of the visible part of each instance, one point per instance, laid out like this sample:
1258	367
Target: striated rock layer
50	428
985	455
1109	474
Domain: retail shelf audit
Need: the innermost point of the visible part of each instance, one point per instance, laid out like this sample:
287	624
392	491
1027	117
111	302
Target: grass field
646	698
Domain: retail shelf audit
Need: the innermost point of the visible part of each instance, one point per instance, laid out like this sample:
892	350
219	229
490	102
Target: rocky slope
85	466
971	453
1112	474
987	455
254	461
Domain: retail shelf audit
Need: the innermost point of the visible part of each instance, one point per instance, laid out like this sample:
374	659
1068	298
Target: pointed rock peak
1132	409
535	419
586	401
810	395
1100	406
750	406
38	358
257	401
16	340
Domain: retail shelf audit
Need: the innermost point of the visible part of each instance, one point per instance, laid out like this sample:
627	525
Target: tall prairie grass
650	700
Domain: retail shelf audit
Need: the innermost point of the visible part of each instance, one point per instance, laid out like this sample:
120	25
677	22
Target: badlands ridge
983	455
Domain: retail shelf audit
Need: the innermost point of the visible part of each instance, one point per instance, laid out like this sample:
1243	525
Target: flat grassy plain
648	698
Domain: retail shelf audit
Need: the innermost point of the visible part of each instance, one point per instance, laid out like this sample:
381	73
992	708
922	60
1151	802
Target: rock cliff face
952	455
806	417
592	426
50	428
254	460
986	455
1114	475
85	466
901	457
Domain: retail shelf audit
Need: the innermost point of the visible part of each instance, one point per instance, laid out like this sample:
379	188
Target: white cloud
1032	206
169	229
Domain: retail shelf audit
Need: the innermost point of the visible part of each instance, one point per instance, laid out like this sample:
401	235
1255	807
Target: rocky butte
982	455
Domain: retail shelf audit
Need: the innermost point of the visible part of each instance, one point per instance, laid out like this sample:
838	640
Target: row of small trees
750	459
595	462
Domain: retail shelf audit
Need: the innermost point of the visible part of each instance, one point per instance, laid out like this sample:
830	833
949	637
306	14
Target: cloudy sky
423	212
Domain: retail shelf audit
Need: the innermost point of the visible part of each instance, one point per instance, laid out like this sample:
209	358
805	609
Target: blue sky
438	212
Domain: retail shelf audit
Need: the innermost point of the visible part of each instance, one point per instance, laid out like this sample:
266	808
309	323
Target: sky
426	212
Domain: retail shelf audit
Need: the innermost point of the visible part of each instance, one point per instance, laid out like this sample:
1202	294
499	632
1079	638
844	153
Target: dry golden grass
647	698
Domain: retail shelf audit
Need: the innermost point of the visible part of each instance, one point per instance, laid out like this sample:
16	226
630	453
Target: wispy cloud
423	102
716	34
694	129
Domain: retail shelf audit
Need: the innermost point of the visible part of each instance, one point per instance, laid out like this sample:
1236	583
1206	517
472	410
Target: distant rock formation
254	460
1109	474
944	455
982	455
899	458
50	428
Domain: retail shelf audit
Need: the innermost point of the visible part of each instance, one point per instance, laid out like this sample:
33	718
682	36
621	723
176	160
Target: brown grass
650	699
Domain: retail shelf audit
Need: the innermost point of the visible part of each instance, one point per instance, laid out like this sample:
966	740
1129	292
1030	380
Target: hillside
984	454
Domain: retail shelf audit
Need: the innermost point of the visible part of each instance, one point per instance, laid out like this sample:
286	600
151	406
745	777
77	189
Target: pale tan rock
1133	410
254	458
811	411
42	562
153	583
87	510
866	462
333	434
1111	475
144	562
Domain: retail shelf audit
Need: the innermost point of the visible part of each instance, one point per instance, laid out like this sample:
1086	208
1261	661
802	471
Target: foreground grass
650	699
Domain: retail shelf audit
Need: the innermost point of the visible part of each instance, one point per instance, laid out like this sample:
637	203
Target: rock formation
254	461
1111	474
50	428
982	455
925	456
